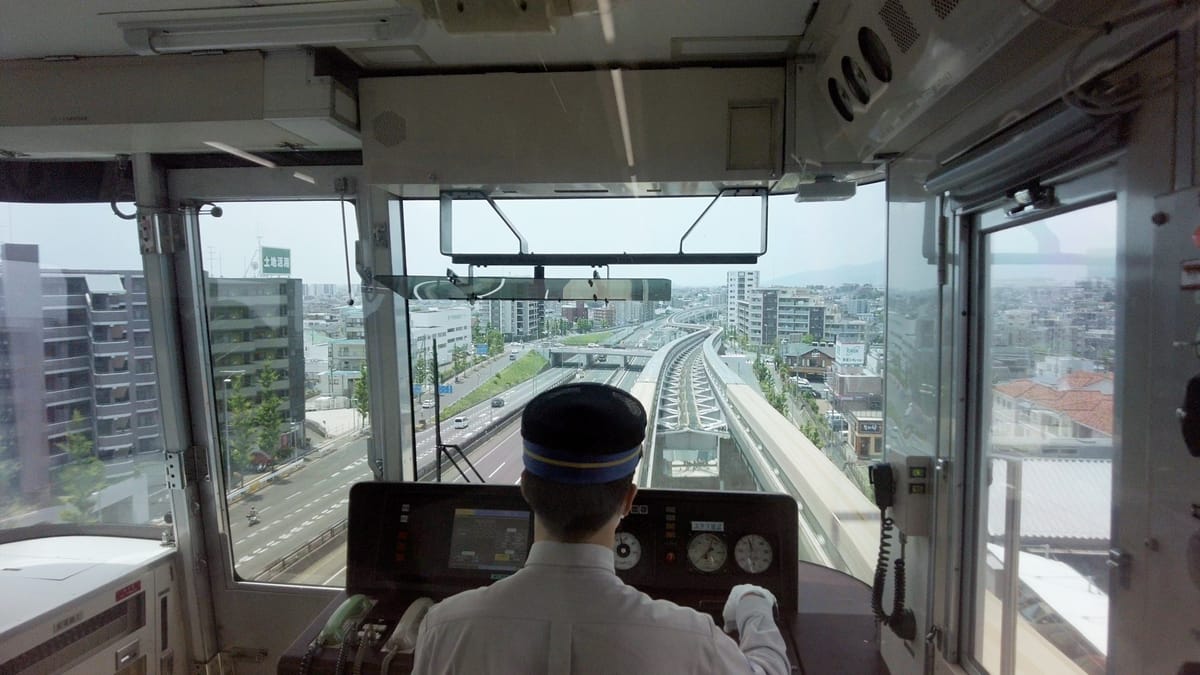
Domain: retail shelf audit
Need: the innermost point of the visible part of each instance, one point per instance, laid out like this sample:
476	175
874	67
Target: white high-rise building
737	286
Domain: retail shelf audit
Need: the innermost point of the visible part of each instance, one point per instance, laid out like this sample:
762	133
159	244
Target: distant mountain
867	273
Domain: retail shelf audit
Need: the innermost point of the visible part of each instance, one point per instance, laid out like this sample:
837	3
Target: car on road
497	402
427	403
460	422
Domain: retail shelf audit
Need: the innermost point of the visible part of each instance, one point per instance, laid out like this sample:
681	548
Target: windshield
755	375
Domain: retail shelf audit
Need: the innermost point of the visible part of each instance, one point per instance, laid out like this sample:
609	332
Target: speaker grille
899	24
389	129
943	7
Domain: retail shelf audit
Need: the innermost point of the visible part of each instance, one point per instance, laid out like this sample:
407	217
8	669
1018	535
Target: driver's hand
736	611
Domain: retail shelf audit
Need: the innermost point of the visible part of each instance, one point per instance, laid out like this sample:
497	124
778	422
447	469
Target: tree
240	426
583	325
421	370
268	418
83	476
362	395
459	358
495	342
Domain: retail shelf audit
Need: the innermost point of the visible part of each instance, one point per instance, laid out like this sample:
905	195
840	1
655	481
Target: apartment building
737	286
252	324
75	358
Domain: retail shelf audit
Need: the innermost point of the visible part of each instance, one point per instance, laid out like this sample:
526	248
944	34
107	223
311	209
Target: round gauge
627	551
753	553
707	552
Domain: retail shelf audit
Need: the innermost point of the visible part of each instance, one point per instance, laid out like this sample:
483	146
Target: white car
427	403
460	422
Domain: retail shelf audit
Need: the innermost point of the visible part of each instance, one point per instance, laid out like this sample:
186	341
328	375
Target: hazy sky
814	236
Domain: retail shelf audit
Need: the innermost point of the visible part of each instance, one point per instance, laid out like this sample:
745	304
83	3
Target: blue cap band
564	467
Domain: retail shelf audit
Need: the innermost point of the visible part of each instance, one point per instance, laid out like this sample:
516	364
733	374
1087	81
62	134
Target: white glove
735	598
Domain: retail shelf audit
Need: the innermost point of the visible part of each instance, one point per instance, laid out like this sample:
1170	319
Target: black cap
583	432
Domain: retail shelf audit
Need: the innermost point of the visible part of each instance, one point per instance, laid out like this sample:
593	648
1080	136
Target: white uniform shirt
566	611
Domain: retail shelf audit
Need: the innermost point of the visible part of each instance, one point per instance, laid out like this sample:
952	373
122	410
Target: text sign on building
870	427
276	260
850	353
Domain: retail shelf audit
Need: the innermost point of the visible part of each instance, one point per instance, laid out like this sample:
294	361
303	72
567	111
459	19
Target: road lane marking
335	574
294	494
497	469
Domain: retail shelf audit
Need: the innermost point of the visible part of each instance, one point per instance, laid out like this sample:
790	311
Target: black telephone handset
901	620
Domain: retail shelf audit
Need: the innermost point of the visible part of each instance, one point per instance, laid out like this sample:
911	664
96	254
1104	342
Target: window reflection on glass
72	291
1042	591
289	365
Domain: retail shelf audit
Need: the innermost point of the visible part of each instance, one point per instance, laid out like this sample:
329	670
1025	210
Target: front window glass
791	385
289	362
76	446
1041	594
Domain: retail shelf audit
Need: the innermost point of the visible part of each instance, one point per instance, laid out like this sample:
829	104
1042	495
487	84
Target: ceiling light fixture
262	31
236	152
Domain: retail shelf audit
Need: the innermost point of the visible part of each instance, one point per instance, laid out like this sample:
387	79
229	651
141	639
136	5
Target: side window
291	409
1046	419
75	445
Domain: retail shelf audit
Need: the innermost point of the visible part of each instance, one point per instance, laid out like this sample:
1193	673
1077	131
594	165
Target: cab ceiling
547	33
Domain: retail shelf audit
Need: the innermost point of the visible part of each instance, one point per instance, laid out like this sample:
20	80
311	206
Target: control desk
408	541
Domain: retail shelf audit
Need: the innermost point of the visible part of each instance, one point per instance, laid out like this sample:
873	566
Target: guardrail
298	554
838	523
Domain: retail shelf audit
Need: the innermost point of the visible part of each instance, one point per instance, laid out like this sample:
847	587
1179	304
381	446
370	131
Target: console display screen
489	539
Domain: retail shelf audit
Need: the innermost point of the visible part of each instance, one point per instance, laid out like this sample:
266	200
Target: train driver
566	610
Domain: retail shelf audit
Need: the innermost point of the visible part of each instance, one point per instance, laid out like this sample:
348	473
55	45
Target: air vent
899	24
856	80
875	54
840	99
943	7
70	645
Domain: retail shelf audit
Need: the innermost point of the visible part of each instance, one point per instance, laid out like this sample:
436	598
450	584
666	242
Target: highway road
498	460
296	509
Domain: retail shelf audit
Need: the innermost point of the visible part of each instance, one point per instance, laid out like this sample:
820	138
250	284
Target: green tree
362	395
421	371
83	476
240	436
583	325
459	358
268	418
495	342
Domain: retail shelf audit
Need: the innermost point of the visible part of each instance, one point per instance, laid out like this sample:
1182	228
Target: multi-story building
841	329
76	357
448	325
737	286
254	324
767	315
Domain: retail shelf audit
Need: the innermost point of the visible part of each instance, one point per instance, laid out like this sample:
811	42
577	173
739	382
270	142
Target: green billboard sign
276	260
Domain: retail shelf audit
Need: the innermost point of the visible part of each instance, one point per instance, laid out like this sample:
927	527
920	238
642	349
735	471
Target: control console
413	543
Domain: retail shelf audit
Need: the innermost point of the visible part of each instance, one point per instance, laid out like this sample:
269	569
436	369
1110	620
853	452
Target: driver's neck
605	536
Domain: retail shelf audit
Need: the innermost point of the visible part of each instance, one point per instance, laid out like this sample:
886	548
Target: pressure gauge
627	551
707	552
753	553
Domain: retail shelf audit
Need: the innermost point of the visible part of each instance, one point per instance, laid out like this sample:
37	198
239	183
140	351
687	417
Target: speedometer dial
753	553
707	552
627	551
